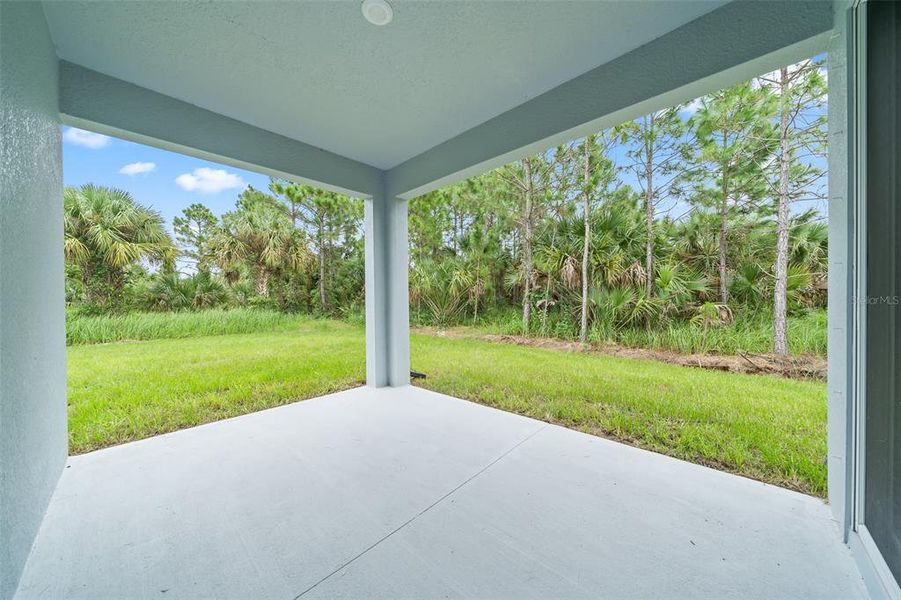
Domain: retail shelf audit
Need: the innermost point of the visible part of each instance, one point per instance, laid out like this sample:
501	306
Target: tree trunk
527	245
86	275
322	301
547	290
724	218
475	307
115	289
780	299
455	228
262	281
724	290
649	211
586	245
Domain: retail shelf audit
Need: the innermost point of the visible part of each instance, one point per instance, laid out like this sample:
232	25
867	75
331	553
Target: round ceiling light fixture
377	12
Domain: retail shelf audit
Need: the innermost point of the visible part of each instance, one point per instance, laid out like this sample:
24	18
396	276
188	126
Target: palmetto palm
559	251
480	255
695	242
677	286
617	245
169	292
749	284
106	230
264	238
610	307
808	244
442	286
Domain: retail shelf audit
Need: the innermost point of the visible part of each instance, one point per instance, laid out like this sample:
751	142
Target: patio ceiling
318	72
439	93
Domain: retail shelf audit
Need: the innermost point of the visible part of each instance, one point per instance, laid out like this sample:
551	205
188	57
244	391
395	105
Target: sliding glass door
882	421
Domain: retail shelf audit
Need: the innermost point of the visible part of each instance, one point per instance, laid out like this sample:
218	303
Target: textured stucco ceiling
319	73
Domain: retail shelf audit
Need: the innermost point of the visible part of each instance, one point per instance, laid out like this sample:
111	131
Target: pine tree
733	129
657	150
194	231
800	91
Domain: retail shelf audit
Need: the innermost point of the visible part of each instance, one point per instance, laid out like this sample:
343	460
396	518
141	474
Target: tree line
703	216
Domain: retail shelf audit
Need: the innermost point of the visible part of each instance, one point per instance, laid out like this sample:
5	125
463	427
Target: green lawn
763	427
767	428
131	390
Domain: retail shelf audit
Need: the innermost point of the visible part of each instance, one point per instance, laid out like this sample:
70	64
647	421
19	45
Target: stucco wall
32	319
840	228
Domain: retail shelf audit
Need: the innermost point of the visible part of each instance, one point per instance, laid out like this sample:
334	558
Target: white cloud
136	168
88	139
209	181
691	108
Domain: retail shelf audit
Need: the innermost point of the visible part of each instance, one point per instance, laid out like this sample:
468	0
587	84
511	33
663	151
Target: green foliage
194	231
647	229
106	232
441	288
261	239
332	224
97	329
169	292
747	333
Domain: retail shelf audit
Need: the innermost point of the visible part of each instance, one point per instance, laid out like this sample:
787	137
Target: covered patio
405	493
389	490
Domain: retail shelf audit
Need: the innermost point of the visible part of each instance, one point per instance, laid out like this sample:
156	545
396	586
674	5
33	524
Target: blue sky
166	181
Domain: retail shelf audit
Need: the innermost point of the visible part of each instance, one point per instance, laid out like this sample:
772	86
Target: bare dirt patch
793	367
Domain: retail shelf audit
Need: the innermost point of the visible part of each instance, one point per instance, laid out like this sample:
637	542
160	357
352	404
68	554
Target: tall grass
82	329
806	335
748	333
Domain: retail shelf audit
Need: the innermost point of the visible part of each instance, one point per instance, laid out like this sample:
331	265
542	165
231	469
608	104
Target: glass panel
882	505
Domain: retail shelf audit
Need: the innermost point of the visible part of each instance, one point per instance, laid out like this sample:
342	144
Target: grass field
131	390
807	332
768	428
748	333
763	427
100	329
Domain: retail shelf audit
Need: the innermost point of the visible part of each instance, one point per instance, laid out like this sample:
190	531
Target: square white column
387	292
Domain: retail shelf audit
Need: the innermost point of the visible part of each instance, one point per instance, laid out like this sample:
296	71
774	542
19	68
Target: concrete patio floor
405	493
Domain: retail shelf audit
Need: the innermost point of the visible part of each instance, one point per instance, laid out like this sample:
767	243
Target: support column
33	442
387	292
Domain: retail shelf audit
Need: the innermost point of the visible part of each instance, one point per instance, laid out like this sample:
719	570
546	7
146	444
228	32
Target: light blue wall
387	292
841	225
32	318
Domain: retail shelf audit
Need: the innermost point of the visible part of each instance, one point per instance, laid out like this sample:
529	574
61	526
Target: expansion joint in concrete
422	512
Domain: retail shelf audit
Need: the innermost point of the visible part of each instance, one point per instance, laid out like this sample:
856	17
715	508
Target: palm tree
479	253
443	287
598	173
557	258
677	286
106	231
323	215
263	238
169	292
